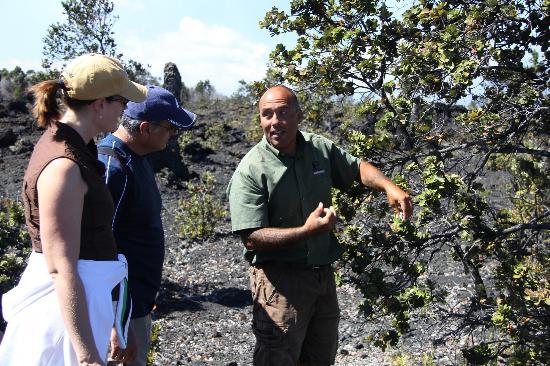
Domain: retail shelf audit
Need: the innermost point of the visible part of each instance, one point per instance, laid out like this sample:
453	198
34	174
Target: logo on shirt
317	169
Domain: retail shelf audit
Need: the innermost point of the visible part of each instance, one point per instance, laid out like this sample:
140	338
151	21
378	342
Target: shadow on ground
174	297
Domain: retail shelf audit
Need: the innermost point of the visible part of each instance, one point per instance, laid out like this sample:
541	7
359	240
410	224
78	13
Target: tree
13	84
140	73
477	173
204	90
88	28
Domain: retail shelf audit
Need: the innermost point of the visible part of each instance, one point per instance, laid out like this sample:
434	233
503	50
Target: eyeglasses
117	98
170	127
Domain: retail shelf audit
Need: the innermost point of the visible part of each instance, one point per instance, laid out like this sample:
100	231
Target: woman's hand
125	355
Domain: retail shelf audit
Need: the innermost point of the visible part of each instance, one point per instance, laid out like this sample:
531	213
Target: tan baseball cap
92	76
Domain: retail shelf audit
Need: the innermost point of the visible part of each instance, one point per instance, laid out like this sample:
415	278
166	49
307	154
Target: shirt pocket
320	183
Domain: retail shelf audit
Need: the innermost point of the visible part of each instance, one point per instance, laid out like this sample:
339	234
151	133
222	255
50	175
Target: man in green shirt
279	199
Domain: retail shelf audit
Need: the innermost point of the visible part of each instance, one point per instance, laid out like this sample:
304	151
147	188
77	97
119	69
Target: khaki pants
295	315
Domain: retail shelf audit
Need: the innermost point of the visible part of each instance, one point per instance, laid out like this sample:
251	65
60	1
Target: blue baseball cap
160	105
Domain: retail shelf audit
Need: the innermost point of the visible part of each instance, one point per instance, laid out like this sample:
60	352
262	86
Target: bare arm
398	199
269	239
61	191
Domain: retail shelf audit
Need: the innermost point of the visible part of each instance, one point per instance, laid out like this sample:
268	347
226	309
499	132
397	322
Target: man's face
279	119
160	134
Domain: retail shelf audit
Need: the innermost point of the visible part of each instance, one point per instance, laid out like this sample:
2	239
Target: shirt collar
300	143
119	145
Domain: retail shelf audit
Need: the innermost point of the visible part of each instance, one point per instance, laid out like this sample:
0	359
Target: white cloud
201	51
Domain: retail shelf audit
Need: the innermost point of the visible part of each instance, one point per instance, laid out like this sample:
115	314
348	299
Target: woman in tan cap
61	312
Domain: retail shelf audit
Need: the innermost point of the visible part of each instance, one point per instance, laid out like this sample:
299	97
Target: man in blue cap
145	128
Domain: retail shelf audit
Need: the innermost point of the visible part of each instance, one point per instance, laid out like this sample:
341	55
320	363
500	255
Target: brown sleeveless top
96	236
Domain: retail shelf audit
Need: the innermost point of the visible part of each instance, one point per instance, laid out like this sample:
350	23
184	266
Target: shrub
199	213
152	354
185	138
252	131
214	135
14	247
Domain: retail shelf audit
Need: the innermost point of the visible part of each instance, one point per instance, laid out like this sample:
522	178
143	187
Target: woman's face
114	107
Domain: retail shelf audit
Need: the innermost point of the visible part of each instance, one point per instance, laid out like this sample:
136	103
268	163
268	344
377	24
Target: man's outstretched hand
320	220
400	201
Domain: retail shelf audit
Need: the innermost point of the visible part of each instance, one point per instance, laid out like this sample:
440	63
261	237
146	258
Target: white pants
36	335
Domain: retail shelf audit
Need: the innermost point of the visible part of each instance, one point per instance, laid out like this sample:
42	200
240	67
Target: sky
216	40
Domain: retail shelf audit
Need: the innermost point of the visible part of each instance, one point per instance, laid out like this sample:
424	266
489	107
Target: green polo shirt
269	189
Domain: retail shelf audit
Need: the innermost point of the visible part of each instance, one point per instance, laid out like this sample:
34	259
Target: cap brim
184	119
135	92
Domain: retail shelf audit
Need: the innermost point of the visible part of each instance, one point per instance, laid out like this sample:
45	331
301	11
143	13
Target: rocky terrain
204	306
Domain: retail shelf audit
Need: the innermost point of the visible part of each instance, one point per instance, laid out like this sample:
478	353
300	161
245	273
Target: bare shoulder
61	173
61	166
